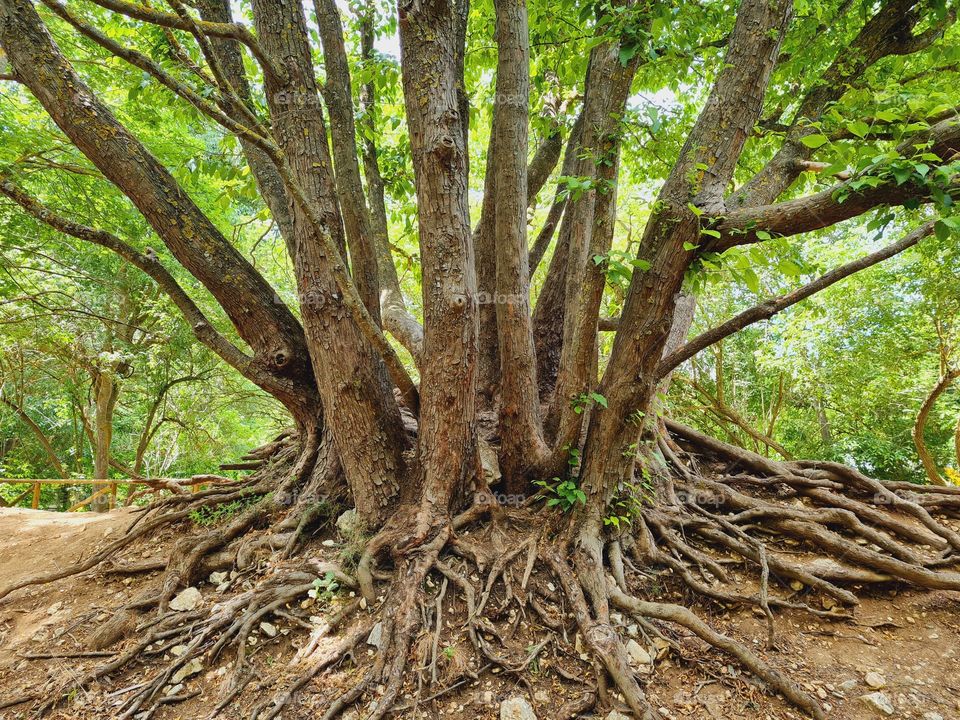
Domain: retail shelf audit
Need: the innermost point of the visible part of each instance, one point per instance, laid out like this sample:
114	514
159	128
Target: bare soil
910	638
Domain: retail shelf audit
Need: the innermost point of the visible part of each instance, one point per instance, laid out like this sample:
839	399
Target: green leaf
858	128
751	279
688	246
941	230
789	268
815	141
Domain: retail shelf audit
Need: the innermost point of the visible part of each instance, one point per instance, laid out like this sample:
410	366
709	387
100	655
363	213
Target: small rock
616	715
516	708
848	685
218	578
55	608
173	689
349	523
268	629
638	655
375	637
875	681
191	668
879	702
932	716
178	650
542	697
186	600
329	543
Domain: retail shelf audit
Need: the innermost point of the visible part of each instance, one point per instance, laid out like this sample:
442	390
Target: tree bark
105	392
431	43
397	319
338	94
358	400
591	237
715	143
521	428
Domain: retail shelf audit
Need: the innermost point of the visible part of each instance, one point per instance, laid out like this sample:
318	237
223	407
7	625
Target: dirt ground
904	642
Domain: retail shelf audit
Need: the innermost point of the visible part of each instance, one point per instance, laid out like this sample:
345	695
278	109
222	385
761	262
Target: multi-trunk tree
409	447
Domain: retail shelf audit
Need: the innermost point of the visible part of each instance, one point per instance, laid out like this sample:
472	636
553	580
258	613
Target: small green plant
561	493
584	400
209	516
449	651
629	501
324	589
534	665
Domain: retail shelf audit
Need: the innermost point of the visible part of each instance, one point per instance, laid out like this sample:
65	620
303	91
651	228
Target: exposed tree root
479	586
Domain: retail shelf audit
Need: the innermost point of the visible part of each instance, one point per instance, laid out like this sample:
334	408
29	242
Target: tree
95	365
407	454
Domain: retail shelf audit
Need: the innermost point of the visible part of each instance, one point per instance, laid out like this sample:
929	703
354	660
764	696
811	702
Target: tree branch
233	31
929	464
343	135
887	33
768	309
145	63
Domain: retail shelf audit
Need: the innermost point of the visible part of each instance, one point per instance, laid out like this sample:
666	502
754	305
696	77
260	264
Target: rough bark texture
715	142
338	94
521	429
357	395
431	37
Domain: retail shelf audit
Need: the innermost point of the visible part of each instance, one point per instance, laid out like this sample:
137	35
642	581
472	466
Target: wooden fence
109	487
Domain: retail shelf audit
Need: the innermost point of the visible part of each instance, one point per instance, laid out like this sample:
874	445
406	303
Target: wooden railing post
36	496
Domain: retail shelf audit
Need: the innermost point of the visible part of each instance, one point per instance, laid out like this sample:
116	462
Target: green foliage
324	589
583	401
214	515
564	494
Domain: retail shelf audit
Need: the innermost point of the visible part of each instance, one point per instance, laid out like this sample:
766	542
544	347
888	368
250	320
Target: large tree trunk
358	399
336	373
521	428
630	380
431	42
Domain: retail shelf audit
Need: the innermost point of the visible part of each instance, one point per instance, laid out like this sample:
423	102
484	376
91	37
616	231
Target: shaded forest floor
910	639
